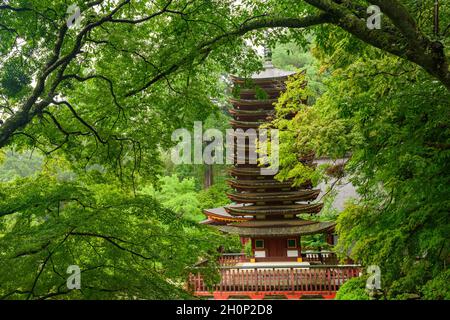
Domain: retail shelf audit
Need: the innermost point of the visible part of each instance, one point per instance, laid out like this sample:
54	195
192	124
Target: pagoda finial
267	57
267	54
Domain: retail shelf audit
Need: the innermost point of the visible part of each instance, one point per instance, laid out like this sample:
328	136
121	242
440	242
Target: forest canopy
92	107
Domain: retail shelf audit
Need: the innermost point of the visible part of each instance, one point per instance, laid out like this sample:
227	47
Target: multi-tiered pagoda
265	210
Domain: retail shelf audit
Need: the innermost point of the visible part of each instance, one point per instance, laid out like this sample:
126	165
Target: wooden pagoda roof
277	231
221	215
246	124
272	223
268	75
252	115
267	210
265	80
255	103
257	112
254	184
249	171
272	93
297	195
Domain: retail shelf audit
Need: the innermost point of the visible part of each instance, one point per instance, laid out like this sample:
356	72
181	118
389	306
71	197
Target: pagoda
264	210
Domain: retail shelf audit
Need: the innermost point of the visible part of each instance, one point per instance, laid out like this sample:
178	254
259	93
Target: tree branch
80	119
409	43
111	239
264	22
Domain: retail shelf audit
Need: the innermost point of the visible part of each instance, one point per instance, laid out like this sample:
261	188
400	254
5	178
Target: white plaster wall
344	188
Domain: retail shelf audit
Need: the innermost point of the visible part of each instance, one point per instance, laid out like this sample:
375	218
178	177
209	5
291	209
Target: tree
394	124
128	54
126	246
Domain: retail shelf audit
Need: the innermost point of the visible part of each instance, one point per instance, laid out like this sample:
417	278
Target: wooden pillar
436	17
208	180
329	238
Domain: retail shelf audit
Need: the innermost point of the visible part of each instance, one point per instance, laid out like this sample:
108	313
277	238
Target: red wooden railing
324	280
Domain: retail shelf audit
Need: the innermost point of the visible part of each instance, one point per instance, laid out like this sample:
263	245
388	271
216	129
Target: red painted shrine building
265	212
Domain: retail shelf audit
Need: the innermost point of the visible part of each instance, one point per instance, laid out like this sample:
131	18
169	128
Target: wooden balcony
313	257
259	282
320	257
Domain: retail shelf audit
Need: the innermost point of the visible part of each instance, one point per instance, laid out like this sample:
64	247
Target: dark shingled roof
220	214
272	223
253	210
273	231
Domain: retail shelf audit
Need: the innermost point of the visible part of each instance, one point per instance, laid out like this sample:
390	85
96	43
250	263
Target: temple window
259	244
292	243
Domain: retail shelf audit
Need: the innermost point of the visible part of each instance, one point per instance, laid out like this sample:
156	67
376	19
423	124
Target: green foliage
128	247
393	120
177	195
122	132
218	120
181	196
130	83
19	164
328	213
289	56
293	145
438	287
13	78
214	196
248	249
314	242
353	289
260	94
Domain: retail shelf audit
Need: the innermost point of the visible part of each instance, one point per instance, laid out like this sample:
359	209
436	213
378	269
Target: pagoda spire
267	57
267	53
